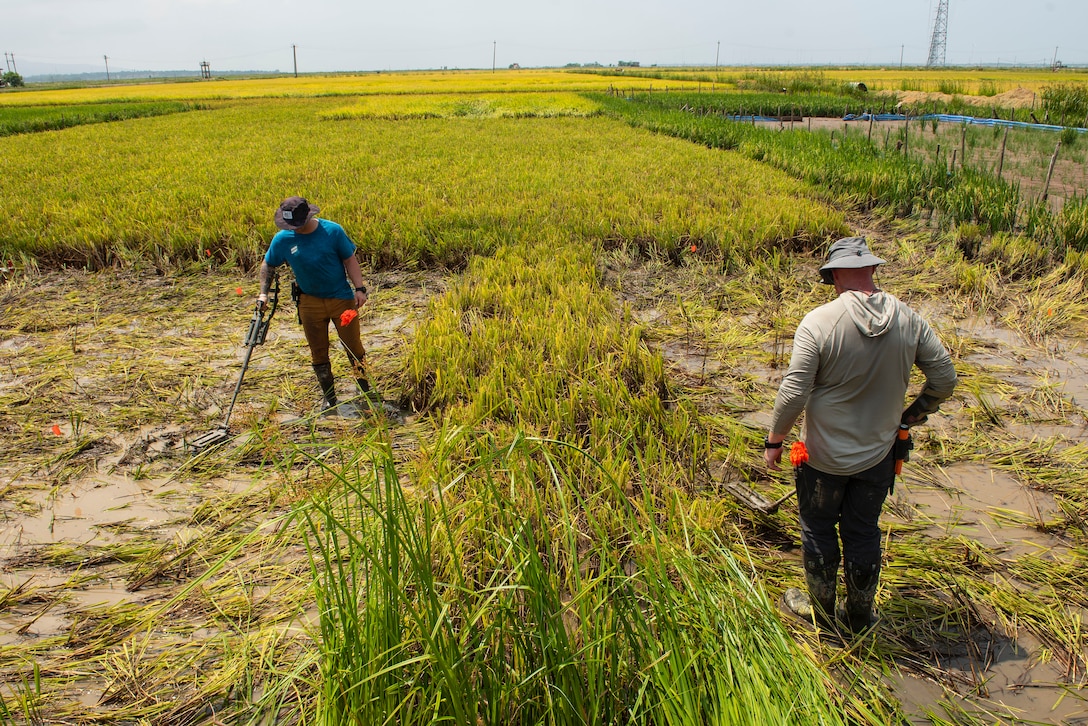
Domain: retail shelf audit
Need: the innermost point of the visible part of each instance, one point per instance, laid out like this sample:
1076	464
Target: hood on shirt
872	314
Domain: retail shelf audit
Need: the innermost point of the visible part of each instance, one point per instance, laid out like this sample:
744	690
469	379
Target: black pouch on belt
296	293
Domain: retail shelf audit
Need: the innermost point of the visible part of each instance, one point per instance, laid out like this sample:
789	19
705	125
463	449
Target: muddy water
972	500
87	517
1011	679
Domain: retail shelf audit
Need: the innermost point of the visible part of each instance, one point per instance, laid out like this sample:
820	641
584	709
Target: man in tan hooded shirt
849	373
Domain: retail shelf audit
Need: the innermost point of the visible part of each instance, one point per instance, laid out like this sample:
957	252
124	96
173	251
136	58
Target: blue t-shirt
317	259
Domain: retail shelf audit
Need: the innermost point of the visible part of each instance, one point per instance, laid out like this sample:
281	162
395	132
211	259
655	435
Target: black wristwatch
768	445
361	288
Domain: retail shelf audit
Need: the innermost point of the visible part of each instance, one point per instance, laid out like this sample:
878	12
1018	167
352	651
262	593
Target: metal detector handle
258	326
903	445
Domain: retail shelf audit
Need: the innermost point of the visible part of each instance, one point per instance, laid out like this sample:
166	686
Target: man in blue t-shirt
322	258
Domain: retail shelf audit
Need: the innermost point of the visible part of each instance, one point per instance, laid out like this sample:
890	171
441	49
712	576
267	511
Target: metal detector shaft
251	343
258	331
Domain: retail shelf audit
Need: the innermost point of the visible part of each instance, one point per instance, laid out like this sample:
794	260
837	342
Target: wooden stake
1001	158
871	114
1050	171
963	145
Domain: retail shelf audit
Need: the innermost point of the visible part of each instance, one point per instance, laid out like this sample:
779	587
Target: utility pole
494	50
716	54
294	54
901	56
1054	63
106	58
10	64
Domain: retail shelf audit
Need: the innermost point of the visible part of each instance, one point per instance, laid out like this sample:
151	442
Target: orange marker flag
347	316
56	430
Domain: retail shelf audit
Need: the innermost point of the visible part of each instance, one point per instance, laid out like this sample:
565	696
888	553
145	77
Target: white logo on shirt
294	250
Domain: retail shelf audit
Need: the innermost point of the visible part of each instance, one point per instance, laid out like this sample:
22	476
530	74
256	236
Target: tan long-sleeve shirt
849	373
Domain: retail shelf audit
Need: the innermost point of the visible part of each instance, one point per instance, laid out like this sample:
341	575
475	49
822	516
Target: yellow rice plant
309	86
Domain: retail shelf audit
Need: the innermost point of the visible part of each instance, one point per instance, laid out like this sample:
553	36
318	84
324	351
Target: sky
66	36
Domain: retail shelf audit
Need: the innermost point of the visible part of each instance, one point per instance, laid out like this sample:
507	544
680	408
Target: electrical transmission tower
939	41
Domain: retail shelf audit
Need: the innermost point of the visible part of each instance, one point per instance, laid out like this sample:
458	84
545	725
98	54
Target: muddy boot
861	582
819	602
329	405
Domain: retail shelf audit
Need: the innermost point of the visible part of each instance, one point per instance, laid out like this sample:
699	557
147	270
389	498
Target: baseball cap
294	212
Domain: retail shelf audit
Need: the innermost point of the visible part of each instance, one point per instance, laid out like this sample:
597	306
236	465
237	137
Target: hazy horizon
54	37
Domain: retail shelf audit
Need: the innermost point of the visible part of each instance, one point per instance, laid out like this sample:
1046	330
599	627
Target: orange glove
798	453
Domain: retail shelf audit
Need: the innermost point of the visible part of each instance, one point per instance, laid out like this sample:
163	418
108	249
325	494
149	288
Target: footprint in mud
149	444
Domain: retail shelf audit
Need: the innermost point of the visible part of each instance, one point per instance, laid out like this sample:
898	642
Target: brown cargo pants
315	313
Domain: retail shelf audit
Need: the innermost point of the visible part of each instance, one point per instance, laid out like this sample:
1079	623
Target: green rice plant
1065	99
852	171
23	699
33	119
951	87
543	619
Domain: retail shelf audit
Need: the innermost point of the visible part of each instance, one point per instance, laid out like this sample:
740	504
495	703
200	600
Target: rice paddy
582	323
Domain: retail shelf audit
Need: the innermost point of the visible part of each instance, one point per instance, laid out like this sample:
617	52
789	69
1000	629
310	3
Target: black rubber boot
818	603
330	405
861	584
325	379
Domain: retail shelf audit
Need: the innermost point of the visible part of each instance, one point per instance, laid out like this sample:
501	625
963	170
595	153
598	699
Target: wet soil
105	507
97	411
992	669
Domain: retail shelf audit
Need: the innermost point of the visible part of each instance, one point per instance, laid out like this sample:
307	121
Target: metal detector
258	331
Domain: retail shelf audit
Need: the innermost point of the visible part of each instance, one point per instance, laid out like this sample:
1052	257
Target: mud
998	677
104	482
969	499
87	487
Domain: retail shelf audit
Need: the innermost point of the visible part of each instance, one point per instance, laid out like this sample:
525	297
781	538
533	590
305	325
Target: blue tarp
942	117
954	119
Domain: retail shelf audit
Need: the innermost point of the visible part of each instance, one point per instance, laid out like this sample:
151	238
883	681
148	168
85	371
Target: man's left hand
771	457
360	298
